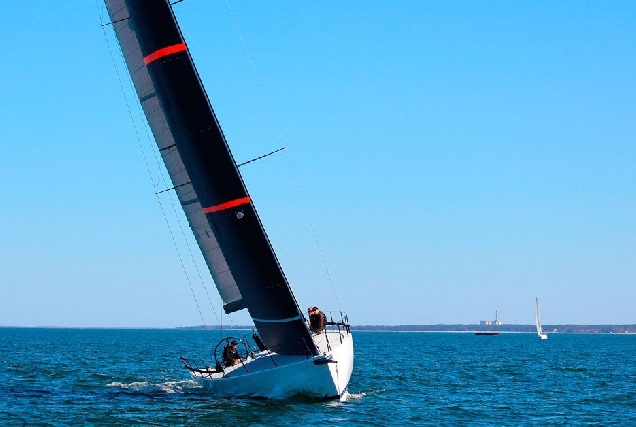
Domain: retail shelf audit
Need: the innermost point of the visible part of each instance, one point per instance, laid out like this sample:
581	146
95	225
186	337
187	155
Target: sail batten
204	174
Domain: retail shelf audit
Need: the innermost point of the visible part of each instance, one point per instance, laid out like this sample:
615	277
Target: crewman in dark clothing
230	355
317	320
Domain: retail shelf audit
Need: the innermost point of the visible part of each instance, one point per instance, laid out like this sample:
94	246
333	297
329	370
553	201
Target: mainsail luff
205	175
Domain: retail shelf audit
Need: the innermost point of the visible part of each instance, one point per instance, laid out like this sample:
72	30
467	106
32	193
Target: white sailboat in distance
537	318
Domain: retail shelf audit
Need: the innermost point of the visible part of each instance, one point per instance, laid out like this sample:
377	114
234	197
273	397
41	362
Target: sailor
230	355
317	320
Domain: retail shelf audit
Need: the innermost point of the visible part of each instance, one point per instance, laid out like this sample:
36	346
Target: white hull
274	376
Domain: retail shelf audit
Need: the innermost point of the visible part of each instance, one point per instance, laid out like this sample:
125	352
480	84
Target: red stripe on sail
227	205
164	51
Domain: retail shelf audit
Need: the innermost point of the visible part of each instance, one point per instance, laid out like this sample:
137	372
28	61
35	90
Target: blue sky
456	158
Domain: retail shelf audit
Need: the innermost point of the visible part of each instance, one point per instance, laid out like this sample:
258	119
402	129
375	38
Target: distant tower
491	322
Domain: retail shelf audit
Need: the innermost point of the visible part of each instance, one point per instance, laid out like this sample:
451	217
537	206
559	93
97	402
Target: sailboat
286	357
537	319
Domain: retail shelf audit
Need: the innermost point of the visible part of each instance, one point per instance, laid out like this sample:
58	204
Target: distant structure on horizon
496	322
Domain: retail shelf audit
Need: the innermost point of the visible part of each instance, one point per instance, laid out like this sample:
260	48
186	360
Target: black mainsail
204	174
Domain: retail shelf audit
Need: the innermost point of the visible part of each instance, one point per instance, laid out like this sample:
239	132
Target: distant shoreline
566	328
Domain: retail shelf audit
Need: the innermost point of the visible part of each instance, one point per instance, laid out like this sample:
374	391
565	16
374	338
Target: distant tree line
569	329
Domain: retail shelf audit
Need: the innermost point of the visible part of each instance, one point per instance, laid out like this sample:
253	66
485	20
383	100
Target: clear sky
456	158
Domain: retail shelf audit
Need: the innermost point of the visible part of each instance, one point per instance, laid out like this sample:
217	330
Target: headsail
205	176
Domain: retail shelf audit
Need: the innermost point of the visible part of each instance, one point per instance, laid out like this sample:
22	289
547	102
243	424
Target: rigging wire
155	185
282	145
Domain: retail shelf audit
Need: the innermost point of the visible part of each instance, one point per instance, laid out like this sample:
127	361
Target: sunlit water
111	377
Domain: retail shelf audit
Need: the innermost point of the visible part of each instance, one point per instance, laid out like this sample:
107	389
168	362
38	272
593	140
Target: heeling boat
290	358
537	319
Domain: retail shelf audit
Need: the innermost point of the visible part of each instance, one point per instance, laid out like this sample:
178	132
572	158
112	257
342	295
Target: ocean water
123	377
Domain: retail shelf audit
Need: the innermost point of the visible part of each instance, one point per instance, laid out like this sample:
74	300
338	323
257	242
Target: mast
205	176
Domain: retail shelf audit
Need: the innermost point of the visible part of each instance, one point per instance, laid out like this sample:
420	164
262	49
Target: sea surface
127	376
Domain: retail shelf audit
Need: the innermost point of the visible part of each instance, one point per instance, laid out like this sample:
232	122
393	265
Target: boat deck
328	340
